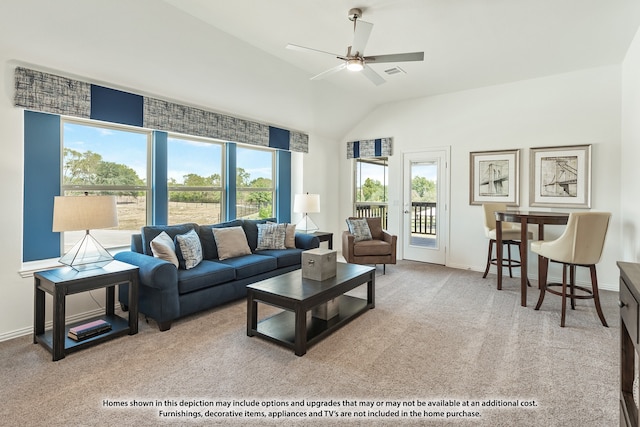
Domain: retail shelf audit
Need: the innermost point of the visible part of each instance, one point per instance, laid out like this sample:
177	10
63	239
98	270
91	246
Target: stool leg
572	281
509	252
564	295
490	251
542	280
596	296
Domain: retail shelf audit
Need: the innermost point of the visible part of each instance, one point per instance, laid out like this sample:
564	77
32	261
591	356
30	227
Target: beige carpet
437	335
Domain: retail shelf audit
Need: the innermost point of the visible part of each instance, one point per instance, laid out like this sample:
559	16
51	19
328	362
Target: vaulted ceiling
230	56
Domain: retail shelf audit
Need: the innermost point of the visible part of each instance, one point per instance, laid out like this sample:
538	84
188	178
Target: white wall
630	172
576	108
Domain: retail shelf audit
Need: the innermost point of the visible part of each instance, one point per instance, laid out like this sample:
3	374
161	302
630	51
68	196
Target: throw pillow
163	247
359	228
188	249
271	236
231	242
289	236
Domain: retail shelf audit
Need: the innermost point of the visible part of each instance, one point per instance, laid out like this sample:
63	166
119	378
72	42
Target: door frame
443	207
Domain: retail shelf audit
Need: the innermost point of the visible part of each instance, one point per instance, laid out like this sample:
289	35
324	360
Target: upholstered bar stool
510	237
580	245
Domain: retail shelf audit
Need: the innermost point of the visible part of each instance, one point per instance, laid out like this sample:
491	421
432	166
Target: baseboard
48	325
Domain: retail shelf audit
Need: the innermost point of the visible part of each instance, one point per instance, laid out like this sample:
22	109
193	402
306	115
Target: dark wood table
325	236
298	296
524	218
64	281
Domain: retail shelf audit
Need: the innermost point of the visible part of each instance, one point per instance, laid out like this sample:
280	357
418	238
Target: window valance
381	147
49	93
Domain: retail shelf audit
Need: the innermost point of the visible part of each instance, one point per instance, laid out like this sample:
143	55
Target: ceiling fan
355	60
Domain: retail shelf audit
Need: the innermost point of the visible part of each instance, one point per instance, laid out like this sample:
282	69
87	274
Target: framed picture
560	176
494	177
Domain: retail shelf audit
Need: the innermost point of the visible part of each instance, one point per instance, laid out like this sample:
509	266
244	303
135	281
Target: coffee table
297	296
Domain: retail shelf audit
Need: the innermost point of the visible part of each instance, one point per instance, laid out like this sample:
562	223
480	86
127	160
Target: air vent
395	70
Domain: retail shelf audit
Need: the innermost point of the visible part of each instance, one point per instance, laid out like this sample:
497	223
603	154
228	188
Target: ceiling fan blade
375	78
395	57
360	37
329	71
308	49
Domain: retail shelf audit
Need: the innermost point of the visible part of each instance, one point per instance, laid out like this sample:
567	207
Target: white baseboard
48	325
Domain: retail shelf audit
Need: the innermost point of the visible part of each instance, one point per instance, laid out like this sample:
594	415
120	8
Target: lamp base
306	225
86	255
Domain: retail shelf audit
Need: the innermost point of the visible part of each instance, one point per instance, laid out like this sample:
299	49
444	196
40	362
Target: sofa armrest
153	272
307	241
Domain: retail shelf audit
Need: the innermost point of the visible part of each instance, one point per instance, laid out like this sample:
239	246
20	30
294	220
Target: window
371	188
101	159
195	180
254	183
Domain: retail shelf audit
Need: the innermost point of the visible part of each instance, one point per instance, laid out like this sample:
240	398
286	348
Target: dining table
524	218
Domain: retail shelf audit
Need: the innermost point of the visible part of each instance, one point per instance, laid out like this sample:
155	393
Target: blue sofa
167	293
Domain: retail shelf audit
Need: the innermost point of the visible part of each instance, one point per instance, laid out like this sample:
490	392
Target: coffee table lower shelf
280	328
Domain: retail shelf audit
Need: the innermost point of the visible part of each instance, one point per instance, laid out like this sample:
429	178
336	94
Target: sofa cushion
204	275
371	247
150	232
284	257
209	248
188	249
271	236
250	227
359	228
251	265
231	242
163	247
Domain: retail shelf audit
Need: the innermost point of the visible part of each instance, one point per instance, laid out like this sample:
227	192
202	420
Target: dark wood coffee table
297	296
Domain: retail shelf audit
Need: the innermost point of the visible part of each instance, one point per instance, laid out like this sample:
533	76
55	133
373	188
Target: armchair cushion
371	247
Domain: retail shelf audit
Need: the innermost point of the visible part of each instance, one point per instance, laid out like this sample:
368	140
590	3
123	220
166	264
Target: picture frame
560	176
494	177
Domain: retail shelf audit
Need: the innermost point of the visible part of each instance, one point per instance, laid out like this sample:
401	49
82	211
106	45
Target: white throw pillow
163	247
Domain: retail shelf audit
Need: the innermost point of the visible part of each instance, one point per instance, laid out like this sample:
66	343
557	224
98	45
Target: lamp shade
73	213
305	203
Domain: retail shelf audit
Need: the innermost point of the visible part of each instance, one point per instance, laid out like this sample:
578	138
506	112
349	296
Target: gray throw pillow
231	242
188	249
359	228
271	236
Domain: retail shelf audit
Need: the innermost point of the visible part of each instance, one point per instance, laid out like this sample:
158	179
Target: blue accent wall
115	106
278	138
41	184
159	186
230	181
283	186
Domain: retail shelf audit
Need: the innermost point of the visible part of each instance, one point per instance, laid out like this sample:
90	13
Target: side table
325	236
64	281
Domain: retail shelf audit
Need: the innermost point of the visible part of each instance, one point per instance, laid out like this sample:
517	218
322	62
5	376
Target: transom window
100	159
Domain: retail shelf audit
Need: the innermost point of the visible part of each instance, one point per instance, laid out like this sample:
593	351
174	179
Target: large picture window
195	181
254	183
102	159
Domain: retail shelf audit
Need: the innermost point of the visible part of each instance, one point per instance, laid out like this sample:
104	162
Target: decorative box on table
318	264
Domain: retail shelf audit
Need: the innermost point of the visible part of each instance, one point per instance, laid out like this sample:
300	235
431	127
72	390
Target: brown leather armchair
381	249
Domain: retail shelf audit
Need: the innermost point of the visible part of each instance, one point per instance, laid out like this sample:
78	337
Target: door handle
406	212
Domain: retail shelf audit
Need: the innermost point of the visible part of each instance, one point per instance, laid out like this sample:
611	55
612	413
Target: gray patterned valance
52	94
49	93
380	147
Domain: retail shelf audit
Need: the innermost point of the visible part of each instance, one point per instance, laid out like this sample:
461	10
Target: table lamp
75	213
305	204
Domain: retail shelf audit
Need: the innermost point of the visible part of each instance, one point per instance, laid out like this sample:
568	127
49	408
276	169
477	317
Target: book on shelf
88	330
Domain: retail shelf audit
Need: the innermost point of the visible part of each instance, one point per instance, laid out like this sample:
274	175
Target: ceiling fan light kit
355	60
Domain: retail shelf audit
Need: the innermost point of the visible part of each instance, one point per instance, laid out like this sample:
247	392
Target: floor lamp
305	204
75	213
